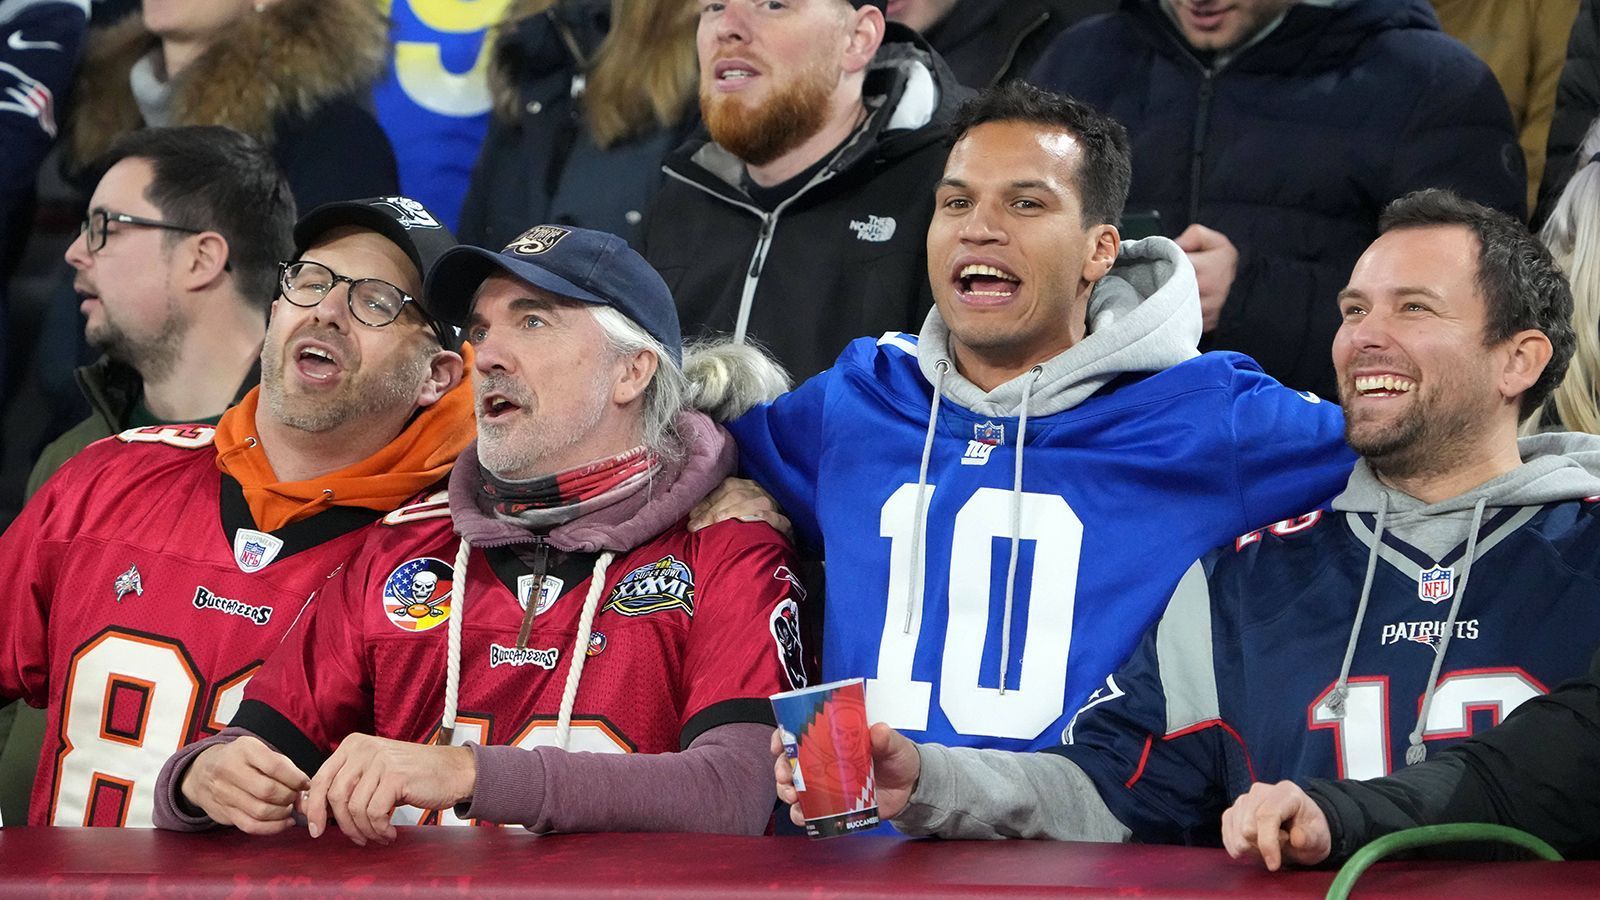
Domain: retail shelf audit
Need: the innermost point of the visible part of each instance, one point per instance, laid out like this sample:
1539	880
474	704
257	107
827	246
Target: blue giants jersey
1232	684
1120	495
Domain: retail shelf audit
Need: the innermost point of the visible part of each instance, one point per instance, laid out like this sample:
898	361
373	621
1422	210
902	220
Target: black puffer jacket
986	42
1293	147
1577	104
843	258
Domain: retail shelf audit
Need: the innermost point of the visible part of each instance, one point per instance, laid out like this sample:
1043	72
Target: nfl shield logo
250	556
1436	584
989	433
253	550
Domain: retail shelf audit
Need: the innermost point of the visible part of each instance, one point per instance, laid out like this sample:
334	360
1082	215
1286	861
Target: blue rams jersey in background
1120	495
1231	686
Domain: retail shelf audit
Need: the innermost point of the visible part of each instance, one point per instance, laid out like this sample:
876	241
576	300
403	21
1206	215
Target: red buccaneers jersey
140	600
692	631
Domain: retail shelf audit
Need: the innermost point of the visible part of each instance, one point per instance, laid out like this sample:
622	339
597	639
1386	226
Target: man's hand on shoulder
1216	262
896	765
367	777
1277	823
245	784
739	498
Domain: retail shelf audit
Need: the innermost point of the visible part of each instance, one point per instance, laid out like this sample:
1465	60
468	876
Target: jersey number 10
1024	711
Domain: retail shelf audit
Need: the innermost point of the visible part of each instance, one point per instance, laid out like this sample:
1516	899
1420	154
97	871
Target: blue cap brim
454	281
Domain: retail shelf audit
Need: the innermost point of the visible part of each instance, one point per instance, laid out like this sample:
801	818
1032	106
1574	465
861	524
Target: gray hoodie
1144	316
987	794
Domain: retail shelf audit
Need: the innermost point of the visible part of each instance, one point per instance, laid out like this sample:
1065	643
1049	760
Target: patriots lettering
1427	632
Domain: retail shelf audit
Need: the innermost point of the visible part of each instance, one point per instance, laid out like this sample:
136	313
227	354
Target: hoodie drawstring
1417	752
920	517
1341	688
1016	530
580	650
452	672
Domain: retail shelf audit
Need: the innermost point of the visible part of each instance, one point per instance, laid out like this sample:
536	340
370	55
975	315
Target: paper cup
825	737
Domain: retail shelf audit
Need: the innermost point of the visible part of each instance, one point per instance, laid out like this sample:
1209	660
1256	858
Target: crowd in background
581	101
1267	154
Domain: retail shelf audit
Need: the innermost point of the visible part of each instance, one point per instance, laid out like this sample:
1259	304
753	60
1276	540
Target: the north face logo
876	229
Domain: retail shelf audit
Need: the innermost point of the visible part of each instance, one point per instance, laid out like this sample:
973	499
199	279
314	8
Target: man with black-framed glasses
174	270
150	576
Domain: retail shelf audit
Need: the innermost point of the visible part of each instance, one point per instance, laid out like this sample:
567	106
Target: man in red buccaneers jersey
156	569
554	649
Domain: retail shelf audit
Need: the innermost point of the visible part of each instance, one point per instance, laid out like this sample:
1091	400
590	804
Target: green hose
1427	836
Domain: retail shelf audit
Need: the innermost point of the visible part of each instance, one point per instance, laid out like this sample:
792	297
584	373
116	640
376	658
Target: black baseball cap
575	263
404	221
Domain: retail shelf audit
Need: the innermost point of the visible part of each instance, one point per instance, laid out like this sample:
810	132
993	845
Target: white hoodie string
1341	688
452	672
1417	752
580	650
1016	531
920	517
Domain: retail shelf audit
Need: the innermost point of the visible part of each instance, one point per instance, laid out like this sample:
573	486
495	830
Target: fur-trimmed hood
291	58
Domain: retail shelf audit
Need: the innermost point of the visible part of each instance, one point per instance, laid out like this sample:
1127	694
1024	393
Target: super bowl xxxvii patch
416	595
663	585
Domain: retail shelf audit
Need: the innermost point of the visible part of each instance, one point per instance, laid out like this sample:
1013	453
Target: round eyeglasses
372	301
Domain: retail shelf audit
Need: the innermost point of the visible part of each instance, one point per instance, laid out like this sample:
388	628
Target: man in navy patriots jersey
1006	501
1454	578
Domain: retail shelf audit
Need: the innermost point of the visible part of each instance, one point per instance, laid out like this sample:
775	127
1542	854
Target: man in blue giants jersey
1454	578
1006	501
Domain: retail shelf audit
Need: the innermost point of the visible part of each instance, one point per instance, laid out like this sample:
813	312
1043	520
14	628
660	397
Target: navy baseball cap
405	222
575	263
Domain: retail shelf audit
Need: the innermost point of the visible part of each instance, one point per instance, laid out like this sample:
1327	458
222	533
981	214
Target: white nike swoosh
17	42
1309	397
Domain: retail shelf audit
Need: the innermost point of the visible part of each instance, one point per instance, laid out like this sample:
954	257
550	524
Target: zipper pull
760	255
541	567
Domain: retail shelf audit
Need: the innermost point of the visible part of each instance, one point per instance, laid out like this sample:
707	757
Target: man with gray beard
552	647
176	556
825	131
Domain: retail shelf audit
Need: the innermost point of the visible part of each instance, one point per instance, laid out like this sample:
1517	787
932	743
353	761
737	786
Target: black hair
1107	166
212	178
1520	282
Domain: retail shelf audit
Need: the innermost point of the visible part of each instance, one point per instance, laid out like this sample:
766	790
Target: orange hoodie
418	457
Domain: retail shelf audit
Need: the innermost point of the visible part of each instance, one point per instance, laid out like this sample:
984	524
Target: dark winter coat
114	390
843	258
1577	104
1293	147
985	42
296	75
541	165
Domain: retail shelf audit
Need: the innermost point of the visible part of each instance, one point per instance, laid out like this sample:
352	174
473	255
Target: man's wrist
188	803
465	765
